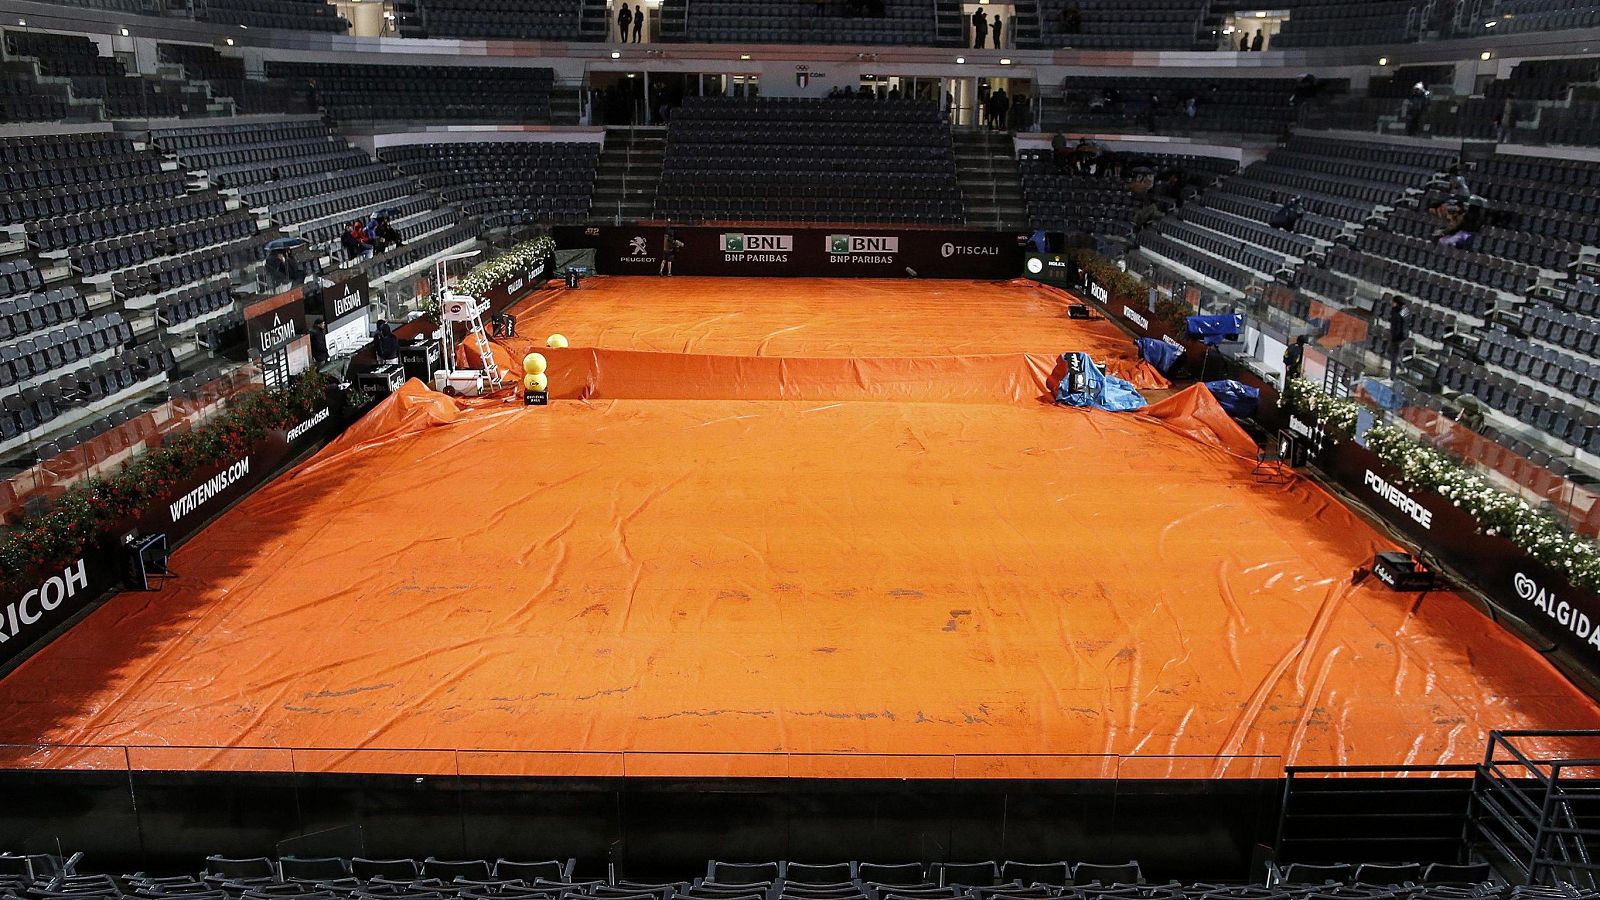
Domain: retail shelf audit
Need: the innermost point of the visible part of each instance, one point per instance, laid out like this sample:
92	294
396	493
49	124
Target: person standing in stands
319	342
1002	105
1399	330
384	343
638	22
996	27
624	17
1294	360
980	28
1261	38
1244	41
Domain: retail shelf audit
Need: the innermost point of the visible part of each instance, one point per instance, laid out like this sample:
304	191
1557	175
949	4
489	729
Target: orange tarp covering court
840	581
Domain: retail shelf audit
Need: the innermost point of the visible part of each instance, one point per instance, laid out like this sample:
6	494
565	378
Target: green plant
486	275
1127	288
1496	512
84	512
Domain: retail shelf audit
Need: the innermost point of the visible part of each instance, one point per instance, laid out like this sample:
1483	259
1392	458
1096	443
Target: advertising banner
48	599
1515	582
768	250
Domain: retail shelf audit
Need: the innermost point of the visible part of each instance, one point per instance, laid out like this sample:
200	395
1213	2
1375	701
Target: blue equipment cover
1239	400
1160	354
1085	385
1213	330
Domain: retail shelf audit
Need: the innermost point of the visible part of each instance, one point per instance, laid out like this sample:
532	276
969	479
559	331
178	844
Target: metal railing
1536	805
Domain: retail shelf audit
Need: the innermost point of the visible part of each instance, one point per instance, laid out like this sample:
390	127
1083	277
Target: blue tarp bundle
1085	385
1239	400
1160	354
1213	330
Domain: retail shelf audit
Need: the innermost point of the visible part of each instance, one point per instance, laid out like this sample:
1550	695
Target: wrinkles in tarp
829	587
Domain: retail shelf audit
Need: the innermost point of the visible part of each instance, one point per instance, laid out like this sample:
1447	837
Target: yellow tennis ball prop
533	363
556	340
535	381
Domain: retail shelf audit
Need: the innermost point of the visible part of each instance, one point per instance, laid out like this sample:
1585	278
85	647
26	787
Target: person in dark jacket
1287	216
624	18
996	27
384	343
1244	41
638	22
319	342
980	28
1294	359
1399	330
1261	37
387	233
1002	106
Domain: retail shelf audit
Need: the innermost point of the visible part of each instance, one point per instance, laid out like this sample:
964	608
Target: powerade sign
1399	499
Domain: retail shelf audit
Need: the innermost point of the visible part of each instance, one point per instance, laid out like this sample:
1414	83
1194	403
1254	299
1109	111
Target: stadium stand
299	15
77	59
789	159
1546	15
226	79
1238	105
1108	24
507	183
312	184
360	93
1335	23
803	22
540	20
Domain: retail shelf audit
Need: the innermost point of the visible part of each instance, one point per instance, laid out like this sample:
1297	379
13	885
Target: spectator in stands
1191	106
1071	19
1468	223
1021	113
385	344
319	342
354	241
1399	330
996	26
638	22
980	28
1416	107
1294	359
1288	215
624	18
1060	153
999	109
370	230
1471	415
387	233
1260	40
1244	40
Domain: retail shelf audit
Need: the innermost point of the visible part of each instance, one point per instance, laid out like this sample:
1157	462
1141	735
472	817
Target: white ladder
491	369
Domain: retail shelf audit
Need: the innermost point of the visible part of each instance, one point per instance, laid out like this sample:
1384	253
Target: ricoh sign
32	607
48	599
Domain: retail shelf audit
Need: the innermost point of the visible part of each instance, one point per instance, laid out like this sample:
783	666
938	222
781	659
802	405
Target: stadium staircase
949	23
629	171
991	190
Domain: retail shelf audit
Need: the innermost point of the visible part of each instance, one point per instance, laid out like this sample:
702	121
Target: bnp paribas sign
742	247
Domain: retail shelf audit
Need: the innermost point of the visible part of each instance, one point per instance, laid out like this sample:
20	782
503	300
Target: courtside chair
1057	874
1389	874
545	870
313	869
1305	873
450	869
891	873
718	872
253	867
973	874
1096	873
404	869
819	873
1446	873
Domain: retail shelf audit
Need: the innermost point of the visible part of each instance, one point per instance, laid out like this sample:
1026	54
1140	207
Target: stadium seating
352	93
808	21
301	15
92	75
1118	24
541	20
507	183
1338	23
786	159
1239	105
